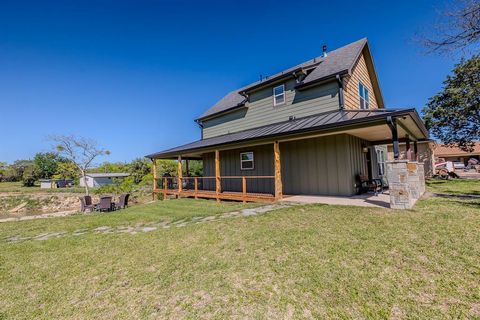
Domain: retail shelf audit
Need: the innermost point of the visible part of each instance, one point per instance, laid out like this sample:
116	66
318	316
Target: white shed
100	179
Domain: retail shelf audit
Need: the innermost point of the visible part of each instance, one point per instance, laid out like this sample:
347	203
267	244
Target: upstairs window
364	97
246	161
279	95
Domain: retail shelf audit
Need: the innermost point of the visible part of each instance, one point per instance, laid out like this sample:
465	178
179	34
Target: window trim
381	162
277	95
367	99
242	161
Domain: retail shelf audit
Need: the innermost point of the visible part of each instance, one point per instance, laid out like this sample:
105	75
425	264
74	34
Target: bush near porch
312	261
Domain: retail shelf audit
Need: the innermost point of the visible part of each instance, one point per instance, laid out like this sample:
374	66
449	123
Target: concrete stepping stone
47	236
103	228
148	229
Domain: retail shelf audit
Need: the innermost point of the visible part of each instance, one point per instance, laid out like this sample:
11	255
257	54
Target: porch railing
243	188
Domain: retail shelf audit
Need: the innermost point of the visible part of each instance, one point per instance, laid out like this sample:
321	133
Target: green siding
230	166
316	166
261	111
322	166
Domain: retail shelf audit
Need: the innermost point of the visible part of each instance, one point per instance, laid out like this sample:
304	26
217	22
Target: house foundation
406	183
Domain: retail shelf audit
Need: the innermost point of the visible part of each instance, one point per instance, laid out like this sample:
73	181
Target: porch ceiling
370	125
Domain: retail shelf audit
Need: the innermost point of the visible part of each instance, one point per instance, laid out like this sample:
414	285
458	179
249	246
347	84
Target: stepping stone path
148	227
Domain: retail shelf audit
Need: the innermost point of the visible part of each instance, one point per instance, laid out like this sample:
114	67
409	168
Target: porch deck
198	187
225	195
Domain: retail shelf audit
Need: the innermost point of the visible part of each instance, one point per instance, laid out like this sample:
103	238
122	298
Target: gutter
341	99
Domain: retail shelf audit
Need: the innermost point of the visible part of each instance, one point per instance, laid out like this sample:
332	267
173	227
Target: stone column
406	181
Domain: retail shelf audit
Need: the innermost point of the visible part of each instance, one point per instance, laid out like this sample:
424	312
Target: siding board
315	166
261	111
351	95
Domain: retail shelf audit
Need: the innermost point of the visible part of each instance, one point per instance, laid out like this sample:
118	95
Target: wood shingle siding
359	73
261	111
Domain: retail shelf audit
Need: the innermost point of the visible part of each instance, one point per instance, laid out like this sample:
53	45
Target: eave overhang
354	120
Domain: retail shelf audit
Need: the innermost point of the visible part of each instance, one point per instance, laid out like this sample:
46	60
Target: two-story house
311	129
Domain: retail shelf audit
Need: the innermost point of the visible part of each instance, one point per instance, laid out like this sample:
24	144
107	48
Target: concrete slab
364	200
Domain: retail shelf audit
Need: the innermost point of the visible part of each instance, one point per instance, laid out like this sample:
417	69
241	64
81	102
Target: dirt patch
17	205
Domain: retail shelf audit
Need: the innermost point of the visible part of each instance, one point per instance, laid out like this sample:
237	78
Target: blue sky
133	75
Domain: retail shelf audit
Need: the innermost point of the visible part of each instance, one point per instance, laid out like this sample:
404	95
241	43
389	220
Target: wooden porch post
186	167
278	171
154	172
180	175
218	181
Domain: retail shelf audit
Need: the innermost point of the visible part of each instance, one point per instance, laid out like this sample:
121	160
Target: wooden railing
214	187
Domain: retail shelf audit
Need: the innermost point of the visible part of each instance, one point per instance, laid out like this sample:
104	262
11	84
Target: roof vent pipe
324	48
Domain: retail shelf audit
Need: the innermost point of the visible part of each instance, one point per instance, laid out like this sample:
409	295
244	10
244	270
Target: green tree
14	172
3	168
106	167
46	164
66	170
29	176
453	115
139	168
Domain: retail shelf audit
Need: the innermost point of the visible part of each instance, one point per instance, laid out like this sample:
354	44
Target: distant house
100	179
55	183
456	154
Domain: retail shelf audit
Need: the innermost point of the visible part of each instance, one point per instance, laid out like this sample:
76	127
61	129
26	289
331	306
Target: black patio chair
122	201
365	185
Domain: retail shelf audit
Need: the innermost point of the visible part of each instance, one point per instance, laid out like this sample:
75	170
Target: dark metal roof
339	61
323	121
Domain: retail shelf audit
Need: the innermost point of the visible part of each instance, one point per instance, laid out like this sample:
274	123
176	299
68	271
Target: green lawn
312	261
454	186
18	187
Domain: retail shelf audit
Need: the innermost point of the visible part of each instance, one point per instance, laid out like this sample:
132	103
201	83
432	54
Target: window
364	99
279	95
381	162
246	161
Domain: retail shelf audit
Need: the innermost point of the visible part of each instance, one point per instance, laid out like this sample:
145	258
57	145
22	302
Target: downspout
341	98
200	124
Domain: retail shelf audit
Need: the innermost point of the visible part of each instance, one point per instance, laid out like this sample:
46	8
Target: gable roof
337	62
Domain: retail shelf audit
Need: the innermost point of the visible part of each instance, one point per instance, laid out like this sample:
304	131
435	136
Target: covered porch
215	185
317	155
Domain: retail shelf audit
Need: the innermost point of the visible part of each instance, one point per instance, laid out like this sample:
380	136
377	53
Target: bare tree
81	151
459	29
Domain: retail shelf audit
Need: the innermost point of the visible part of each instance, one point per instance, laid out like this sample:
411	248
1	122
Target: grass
312	261
18	187
457	186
